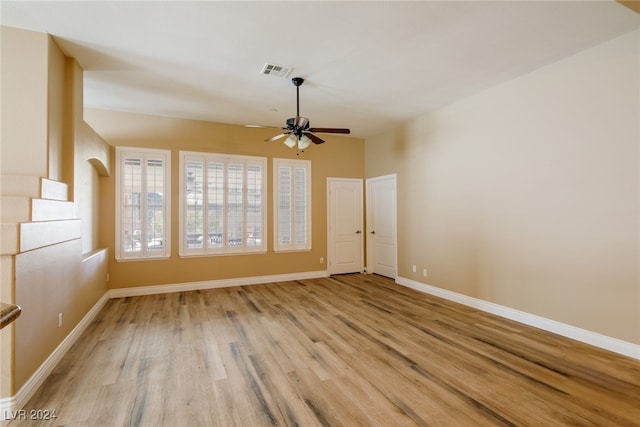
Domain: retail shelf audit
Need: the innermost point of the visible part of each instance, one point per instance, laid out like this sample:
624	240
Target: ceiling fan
298	131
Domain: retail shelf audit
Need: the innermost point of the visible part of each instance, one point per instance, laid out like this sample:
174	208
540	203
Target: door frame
330	254
369	209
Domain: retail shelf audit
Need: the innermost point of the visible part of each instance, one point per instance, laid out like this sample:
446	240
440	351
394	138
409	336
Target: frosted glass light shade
291	141
304	142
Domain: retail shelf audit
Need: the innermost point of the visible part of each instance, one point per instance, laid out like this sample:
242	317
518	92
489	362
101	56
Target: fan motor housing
291	123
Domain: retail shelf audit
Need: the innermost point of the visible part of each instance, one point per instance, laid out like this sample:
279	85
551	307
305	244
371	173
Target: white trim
29	388
7	405
212	284
593	338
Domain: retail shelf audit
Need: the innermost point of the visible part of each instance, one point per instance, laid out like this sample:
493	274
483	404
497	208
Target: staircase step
54	190
15	209
34	235
20	185
51	210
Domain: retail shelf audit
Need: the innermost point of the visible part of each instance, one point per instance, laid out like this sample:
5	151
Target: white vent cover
276	70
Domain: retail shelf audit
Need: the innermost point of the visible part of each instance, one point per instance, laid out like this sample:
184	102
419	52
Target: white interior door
345	225
381	226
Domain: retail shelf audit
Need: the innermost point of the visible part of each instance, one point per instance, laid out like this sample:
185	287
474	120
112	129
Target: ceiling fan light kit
298	131
291	141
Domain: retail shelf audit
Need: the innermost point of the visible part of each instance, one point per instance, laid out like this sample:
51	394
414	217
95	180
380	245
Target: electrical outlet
59	320
413	268
321	260
108	277
424	272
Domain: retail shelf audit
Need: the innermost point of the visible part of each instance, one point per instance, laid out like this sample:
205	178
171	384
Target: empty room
320	213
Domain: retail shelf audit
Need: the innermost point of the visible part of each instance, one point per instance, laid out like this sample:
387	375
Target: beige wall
24	131
56	108
527	194
91	160
47	139
338	157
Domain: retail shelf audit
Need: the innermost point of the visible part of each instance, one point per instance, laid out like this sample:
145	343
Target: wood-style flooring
350	350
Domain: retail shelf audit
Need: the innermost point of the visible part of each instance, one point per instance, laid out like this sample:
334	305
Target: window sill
284	251
155	258
262	252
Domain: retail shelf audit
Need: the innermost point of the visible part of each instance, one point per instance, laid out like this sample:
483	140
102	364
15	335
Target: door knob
358	232
373	232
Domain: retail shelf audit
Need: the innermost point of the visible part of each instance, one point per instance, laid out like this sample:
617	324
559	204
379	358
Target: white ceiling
368	65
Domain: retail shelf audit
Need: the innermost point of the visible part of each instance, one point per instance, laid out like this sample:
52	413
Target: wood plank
345	350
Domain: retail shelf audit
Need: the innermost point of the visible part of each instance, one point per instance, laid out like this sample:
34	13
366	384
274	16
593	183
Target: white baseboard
593	338
8	406
212	284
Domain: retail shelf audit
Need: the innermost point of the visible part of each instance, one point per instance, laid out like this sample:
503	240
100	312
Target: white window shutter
143	203
292	205
222	209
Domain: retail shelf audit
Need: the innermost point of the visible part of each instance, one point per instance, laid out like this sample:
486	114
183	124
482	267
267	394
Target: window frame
226	248
293	246
144	154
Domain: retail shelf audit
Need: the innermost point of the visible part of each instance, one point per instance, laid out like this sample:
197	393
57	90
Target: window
292	204
142	203
222	207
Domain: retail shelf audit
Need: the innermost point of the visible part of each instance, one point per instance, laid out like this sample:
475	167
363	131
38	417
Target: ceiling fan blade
273	138
314	138
330	130
264	127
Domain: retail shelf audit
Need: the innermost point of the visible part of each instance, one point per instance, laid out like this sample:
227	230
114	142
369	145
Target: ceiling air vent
276	70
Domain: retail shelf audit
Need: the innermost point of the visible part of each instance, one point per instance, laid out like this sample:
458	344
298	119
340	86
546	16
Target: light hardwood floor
350	350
